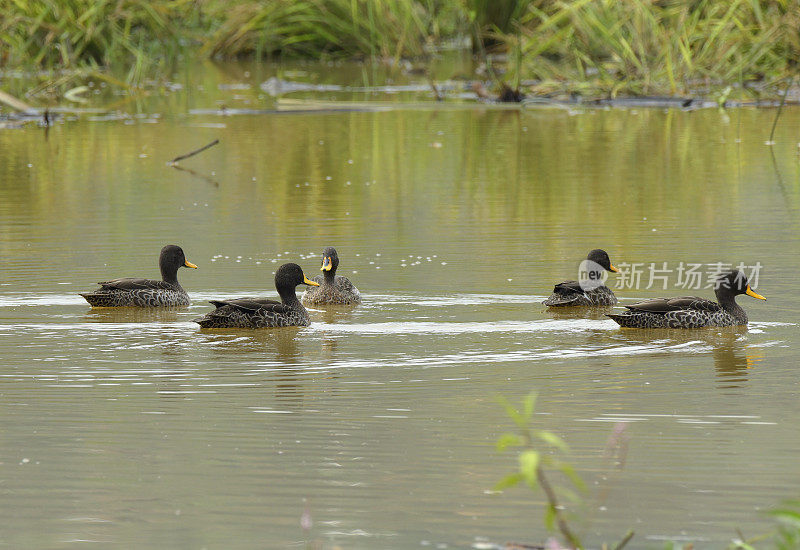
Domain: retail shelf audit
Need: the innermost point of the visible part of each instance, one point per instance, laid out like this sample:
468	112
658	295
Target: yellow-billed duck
146	292
691	311
261	312
332	289
589	292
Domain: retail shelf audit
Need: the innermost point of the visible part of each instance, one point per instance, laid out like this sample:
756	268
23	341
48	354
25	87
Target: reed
374	28
644	47
63	34
606	47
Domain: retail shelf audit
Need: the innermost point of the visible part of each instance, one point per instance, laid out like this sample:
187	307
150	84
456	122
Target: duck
589	292
332	289
127	292
691	311
261	312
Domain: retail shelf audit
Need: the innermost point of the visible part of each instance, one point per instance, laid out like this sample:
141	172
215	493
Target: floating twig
193	153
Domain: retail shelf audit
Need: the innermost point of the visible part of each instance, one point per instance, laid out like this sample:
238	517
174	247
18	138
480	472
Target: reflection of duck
146	292
575	313
573	293
691	311
133	315
730	358
726	345
332	289
337	314
261	312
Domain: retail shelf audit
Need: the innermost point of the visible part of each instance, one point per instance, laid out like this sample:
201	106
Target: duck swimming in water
575	293
146	292
332	289
691	311
261	312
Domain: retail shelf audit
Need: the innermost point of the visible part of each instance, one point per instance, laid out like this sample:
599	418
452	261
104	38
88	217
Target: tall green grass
375	28
72	33
668	46
591	46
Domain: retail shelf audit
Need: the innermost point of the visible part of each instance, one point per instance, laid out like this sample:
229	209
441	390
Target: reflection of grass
588	46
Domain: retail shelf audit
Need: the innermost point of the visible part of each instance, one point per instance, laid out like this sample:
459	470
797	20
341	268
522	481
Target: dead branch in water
436	93
15	103
195	152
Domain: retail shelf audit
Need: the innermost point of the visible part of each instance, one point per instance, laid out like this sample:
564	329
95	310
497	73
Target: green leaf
510	480
553	440
528	465
508	440
513	413
528	405
787	516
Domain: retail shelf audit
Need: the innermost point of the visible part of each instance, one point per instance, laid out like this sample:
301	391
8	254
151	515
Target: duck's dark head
600	257
733	283
330	261
287	278
171	259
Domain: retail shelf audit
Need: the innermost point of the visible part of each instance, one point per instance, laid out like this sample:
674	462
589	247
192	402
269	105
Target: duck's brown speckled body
570	293
146	292
332	289
261	312
691	311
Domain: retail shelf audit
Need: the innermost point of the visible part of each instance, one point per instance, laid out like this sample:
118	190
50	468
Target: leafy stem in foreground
531	464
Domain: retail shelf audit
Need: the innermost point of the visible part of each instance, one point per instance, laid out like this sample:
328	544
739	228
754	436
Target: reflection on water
136	428
132	314
334	313
732	358
728	346
579	313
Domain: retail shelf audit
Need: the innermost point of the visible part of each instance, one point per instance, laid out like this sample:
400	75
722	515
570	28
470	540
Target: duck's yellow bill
187	263
309	282
327	265
614	269
751	292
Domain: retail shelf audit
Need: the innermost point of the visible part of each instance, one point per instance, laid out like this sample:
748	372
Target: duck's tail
621	319
560	300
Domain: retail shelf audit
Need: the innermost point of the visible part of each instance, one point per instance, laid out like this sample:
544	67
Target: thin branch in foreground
195	152
552	500
621	544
